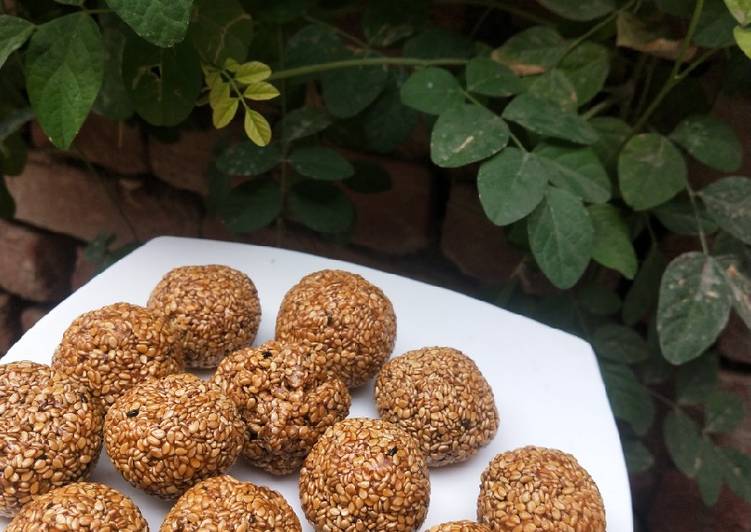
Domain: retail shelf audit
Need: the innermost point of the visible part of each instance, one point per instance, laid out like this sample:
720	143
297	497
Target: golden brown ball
439	396
215	308
460	526
115	347
352	318
165	435
50	432
80	506
286	400
223	503
365	474
534	488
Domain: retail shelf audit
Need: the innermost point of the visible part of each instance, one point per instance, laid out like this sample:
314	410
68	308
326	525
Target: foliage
579	120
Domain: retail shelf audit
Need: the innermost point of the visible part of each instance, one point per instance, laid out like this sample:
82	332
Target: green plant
580	118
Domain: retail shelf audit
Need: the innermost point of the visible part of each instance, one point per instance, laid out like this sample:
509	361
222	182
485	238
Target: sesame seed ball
80	506
365	474
115	347
50	432
352	318
439	396
286	398
224	503
460	526
165	435
534	488
215	309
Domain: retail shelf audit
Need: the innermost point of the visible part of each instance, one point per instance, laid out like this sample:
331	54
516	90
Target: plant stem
594	29
96	11
501	6
675	77
359	42
598	108
695	207
366	61
645	88
516	141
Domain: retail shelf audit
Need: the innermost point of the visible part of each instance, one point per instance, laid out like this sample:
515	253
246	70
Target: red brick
677	507
117	146
400	220
66	199
9	326
735	341
34	265
83	270
472	242
184	164
32	314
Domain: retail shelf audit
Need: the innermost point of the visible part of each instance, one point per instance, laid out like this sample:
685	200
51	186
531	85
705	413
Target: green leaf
321	206
64	69
715	27
250	72
620	344
531	51
612	245
678	216
12	121
302	122
578	170
694	306
432	90
247	159
7	204
252	205
682	441
13	152
260	91
695	380
742	38
598	300
737	472
13	34
224	112
581	10
280	11
561	237
741	10
369	178
466	134
321	163
546	118
388	122
651	171
643	292
638	457
556	88
347	91
257	128
389	21
511	185
313	44
711	141
221	29
613	134
587	66
163	83
490	78
438	43
723	411
629	399
161	22
728	202
709	475
113	100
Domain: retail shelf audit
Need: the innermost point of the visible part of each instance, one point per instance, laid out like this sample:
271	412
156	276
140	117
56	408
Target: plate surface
546	382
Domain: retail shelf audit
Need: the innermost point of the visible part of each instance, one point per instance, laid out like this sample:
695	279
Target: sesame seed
460	526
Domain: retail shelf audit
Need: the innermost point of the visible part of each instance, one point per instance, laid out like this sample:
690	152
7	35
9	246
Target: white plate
546	382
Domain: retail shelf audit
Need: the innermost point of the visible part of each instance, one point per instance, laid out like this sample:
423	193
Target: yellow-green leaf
224	112
219	93
251	72
743	38
257	128
261	91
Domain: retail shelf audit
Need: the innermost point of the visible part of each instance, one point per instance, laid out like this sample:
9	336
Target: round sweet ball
460	526
352	318
80	506
223	503
365	474
215	309
286	400
439	396
115	347
534	488
165	435
50	432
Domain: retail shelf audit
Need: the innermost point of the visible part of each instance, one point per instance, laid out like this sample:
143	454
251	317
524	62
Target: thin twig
366	61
